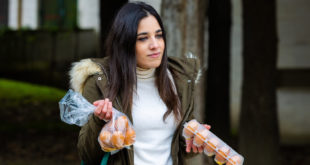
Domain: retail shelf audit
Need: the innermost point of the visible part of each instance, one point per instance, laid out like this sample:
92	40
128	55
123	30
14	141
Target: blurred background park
254	91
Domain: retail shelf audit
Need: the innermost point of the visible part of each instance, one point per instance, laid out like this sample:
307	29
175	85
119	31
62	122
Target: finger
109	113
194	148
207	126
98	110
200	149
101	114
104	110
96	103
105	106
188	145
110	106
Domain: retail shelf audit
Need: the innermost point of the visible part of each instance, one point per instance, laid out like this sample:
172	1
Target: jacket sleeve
182	139
88	147
195	71
190	66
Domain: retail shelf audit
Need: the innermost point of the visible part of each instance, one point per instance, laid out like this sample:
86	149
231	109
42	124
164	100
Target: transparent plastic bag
75	109
212	145
117	133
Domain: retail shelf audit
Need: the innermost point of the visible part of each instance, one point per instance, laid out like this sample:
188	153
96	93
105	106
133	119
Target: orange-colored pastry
190	128
200	137
234	160
121	123
105	137
221	156
130	136
211	146
117	139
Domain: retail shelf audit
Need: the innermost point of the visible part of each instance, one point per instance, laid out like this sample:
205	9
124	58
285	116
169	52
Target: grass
35	106
31	128
16	90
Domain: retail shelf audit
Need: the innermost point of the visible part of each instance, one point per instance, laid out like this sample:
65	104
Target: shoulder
186	66
82	71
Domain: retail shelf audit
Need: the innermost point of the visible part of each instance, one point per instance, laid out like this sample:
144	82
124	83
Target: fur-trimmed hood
80	71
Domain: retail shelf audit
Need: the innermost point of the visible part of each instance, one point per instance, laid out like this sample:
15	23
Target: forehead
148	24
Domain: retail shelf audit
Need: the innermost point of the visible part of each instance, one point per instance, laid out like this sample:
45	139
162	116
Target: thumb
207	126
96	103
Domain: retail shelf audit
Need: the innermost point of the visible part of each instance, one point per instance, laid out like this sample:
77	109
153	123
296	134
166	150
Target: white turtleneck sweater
153	135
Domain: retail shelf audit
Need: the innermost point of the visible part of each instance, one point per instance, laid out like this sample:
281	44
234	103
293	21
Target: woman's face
150	44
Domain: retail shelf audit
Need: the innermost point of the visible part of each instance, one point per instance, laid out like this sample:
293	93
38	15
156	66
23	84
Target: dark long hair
120	47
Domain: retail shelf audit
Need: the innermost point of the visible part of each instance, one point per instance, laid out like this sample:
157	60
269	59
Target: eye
159	35
142	38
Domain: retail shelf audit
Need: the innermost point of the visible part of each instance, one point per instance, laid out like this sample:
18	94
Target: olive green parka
89	77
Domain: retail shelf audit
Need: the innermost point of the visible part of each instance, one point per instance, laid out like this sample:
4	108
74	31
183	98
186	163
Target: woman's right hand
103	109
190	145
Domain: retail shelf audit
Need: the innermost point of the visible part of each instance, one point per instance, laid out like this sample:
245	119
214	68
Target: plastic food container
211	143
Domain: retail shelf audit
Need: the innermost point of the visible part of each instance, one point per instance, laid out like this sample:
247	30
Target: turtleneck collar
145	73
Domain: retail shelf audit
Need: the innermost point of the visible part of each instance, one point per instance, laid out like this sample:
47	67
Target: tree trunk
19	14
184	25
258	133
183	21
218	81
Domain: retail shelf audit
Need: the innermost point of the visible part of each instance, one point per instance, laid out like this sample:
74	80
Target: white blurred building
87	14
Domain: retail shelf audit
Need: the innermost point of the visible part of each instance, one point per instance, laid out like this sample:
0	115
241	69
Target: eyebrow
145	33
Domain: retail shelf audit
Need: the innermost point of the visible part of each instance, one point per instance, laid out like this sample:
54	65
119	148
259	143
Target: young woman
138	78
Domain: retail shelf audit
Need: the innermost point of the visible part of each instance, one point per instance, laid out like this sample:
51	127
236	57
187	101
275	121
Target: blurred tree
184	25
183	21
108	10
258	133
218	81
19	13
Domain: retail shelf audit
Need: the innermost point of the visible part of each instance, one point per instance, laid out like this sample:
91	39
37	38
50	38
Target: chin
155	65
150	64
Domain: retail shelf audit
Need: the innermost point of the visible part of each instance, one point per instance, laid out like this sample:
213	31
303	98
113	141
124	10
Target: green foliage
21	91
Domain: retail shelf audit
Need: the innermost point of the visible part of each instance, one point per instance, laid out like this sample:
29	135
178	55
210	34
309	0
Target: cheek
140	49
139	53
162	45
139	59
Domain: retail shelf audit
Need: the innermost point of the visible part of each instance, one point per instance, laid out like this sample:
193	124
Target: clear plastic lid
212	144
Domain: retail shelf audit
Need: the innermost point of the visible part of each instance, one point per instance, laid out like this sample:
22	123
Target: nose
154	43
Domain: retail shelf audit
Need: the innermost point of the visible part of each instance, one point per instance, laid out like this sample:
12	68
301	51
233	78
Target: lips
154	55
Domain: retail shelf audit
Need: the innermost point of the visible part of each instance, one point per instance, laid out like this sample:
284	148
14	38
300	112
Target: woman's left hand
190	146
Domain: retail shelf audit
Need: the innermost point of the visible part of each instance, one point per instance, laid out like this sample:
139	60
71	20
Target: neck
145	73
